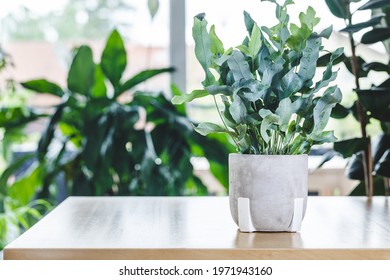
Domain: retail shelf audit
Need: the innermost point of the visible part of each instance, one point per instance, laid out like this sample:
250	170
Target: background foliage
373	103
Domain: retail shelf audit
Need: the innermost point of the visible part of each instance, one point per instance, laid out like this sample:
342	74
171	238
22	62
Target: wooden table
202	228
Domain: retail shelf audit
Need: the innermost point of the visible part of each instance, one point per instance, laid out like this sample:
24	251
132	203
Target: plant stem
362	116
226	127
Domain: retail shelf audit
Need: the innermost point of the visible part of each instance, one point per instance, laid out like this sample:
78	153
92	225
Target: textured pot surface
273	184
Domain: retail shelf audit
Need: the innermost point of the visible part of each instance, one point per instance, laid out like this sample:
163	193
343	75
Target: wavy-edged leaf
206	128
180	99
140	78
309	59
290	83
239	67
323	108
269	119
237	109
351	146
254	44
376	35
225	90
216	43
82	72
203	47
43	86
114	59
249	22
284	111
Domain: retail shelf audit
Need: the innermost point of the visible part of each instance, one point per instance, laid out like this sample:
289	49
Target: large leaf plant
369	164
271	103
18	208
100	145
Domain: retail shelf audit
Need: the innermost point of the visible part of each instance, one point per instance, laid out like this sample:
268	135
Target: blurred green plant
372	103
18	209
105	146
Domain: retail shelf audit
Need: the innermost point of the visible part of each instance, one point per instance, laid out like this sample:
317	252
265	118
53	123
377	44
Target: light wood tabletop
202	228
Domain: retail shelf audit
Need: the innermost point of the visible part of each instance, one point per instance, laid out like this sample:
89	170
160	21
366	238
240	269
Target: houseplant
101	145
18	208
369	160
273	111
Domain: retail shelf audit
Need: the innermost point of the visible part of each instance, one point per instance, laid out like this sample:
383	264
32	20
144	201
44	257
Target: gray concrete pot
267	192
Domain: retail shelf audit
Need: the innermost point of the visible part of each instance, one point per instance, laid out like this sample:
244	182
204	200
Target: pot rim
258	155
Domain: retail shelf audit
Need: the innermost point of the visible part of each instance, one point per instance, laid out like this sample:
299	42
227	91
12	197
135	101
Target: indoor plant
369	160
273	111
102	145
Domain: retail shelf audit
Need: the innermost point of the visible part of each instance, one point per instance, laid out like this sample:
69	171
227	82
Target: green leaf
237	109
309	19
249	22
216	44
11	169
338	8
323	108
140	78
180	99
225	90
206	128
326	32
269	119
239	66
375	4
376	35
377	102
48	134
376	66
255	41
290	83
351	146
380	145
243	140
153	6
328	75
382	168
114	59
323	137
309	58
203	47
284	111
43	86
82	72
24	189
355	170
379	187
359	26
99	89
339	112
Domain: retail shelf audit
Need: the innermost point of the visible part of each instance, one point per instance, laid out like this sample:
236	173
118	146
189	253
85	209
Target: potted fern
273	111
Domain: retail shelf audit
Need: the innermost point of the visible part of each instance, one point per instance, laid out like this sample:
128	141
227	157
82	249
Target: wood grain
202	228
